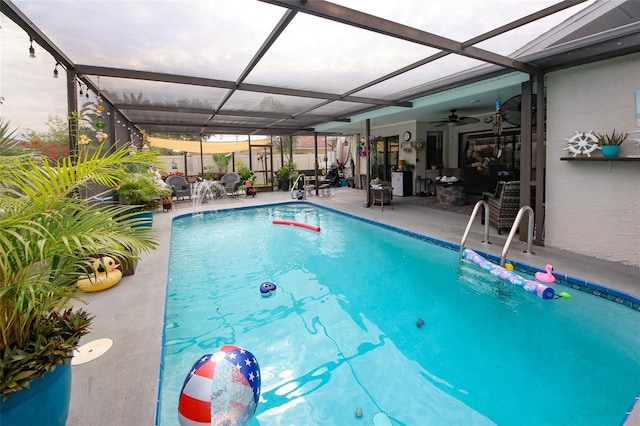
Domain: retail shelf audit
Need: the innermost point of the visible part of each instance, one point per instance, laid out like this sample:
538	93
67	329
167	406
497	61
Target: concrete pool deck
121	386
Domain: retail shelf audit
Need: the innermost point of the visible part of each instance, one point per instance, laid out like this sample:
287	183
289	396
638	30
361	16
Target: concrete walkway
121	387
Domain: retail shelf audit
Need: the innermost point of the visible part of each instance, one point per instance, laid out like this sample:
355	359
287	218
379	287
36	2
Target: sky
164	35
30	92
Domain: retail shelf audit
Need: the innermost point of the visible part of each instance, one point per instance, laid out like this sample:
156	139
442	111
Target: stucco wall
593	208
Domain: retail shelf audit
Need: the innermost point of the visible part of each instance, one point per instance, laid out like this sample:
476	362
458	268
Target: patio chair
503	204
180	186
231	182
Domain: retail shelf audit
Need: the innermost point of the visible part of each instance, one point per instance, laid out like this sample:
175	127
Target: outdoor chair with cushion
503	204
180	186
231	182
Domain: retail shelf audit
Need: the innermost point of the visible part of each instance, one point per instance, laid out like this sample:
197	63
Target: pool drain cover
90	351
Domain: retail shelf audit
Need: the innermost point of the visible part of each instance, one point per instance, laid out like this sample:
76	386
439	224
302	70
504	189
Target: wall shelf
599	159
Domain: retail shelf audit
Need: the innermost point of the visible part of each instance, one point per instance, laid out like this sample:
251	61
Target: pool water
340	331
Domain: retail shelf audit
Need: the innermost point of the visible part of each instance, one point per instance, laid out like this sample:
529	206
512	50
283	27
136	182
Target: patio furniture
503	204
250	189
383	194
180	186
231	182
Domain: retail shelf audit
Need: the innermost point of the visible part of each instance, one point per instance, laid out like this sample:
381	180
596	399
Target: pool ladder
297	194
512	232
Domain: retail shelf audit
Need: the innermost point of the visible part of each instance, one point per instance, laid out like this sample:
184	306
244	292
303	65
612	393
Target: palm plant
48	236
611	139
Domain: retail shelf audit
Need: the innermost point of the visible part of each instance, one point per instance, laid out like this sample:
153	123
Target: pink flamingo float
547	276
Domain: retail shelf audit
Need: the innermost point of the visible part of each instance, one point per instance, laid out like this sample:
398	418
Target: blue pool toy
267	288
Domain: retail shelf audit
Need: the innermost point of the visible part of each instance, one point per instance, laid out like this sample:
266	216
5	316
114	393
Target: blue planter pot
145	218
46	402
610	151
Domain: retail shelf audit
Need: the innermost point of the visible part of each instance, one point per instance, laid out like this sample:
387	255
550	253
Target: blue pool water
340	332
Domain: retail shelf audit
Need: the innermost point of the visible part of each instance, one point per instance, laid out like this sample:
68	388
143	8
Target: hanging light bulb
32	51
55	71
81	91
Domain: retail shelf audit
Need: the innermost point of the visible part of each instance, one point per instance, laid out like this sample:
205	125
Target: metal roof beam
355	18
209	82
208	111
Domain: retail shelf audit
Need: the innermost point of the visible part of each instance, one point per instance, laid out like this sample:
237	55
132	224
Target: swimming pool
340	332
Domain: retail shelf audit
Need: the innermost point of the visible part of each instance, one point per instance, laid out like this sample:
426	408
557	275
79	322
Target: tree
54	142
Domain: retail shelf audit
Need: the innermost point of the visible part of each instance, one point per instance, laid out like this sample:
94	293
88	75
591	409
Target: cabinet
401	182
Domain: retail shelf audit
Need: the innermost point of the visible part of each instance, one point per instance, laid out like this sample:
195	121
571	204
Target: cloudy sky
30	92
223	35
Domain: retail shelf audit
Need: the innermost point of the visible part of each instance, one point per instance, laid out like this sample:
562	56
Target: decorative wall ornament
407	146
582	143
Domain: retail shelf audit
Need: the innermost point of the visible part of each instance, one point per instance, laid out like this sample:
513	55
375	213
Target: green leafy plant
142	189
49	235
245	173
222	161
283	173
612	138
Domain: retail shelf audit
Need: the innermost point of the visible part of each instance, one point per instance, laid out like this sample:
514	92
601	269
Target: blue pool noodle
541	290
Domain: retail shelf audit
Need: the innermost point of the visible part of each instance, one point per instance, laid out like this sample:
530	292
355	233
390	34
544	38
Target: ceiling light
55	71
32	51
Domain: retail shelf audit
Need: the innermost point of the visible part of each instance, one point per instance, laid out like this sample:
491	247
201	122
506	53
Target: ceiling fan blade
469	120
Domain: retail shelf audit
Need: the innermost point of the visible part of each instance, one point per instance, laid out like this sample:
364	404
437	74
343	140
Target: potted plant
145	192
610	143
246	175
283	175
49	236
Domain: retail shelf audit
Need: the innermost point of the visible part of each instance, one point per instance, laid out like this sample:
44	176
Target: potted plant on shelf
49	236
609	143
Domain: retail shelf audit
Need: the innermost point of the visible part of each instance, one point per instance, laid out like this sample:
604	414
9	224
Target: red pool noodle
300	224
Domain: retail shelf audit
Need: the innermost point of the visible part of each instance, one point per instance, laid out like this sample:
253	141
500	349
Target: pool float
267	288
294	223
538	289
547	276
222	388
105	275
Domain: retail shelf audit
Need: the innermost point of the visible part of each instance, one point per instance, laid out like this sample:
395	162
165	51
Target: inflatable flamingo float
547	276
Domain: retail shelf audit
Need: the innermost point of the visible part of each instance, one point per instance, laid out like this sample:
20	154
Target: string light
55	71
32	51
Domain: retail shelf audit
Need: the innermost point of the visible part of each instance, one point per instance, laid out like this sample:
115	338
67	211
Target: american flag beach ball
222	388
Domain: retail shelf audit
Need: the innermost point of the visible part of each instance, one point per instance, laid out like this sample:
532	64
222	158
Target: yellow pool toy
105	275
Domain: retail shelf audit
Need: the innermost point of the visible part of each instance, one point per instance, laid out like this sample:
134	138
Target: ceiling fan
454	120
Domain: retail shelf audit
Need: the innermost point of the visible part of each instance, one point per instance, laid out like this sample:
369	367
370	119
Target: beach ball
222	388
267	288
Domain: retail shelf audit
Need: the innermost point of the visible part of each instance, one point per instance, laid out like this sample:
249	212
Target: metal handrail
293	187
514	227
473	216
